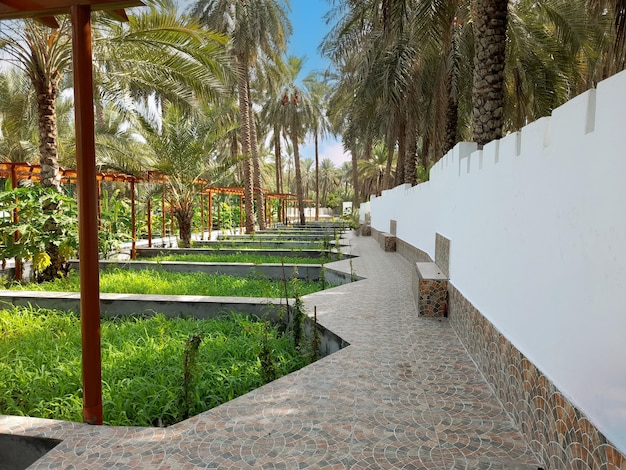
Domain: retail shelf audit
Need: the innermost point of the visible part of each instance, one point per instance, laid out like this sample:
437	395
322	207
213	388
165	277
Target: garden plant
156	371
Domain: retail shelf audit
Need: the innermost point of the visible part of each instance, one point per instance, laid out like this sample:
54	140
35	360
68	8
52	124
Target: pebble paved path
404	394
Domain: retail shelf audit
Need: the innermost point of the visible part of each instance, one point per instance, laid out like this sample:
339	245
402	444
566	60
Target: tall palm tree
256	27
44	55
320	126
172	57
298	114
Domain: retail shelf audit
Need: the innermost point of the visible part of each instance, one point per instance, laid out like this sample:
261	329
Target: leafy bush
38	228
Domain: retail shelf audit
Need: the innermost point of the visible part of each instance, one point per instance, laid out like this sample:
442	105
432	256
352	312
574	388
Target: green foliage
190	369
171	283
241	258
268	368
143	362
46	217
115	221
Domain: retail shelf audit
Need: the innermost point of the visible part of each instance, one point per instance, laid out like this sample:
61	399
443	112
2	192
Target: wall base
556	430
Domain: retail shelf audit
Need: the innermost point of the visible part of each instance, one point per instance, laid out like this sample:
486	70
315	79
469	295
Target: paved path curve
404	394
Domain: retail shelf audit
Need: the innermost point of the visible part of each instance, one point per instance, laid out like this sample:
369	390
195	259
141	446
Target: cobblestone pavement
404	394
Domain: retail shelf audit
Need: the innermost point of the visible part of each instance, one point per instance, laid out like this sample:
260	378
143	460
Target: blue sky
309	28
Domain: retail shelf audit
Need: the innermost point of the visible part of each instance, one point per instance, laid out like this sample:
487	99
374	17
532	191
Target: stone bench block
430	290
387	241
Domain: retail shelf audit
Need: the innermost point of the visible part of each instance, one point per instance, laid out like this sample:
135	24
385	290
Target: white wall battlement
537	224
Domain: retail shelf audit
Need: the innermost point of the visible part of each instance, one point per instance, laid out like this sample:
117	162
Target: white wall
537	223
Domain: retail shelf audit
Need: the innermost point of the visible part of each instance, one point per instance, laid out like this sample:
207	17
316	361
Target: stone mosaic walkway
404	394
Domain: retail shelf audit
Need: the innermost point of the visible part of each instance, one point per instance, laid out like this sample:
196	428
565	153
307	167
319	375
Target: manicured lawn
161	282
143	365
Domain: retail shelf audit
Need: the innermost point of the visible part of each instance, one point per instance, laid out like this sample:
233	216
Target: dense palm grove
207	92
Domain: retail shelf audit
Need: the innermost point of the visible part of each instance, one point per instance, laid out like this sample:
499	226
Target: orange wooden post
210	213
99	203
240	214
133	220
202	215
16	219
88	214
163	218
172	221
149	212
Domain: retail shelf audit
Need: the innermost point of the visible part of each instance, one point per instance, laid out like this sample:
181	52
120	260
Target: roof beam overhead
45	10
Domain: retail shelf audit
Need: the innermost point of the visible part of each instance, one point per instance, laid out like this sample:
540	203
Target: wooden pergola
80	11
17	171
240	191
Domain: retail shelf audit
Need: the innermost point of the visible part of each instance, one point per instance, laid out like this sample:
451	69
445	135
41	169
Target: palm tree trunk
355	178
184	217
244	113
258	190
278	162
46	109
452	106
490	24
399	178
48	158
410	174
386	178
317	180
296	158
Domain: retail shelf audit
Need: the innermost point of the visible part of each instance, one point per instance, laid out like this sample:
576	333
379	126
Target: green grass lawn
157	281
240	258
142	365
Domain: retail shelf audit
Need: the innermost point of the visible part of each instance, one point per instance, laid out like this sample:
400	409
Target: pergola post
16	219
99	203
133	220
240	214
149	211
210	214
88	214
202	215
163	217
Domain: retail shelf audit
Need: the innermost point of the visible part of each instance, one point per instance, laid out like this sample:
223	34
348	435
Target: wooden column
163	217
133	220
16	219
149	211
210	213
202	215
87	214
240	214
99	204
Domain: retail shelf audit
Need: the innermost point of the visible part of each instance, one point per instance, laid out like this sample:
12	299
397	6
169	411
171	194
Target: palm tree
372	171
256	27
298	114
169	57
320	126
329	178
183	147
